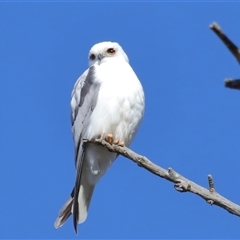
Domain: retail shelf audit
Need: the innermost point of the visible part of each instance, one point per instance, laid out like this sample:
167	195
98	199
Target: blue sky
191	121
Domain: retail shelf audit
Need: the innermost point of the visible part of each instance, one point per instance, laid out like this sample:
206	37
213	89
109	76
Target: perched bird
107	102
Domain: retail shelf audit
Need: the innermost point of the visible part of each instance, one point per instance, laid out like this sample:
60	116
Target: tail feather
64	213
84	199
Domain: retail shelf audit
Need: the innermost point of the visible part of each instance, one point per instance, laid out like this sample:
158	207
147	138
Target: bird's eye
111	51
92	57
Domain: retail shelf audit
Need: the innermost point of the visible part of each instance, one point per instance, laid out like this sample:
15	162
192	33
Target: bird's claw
116	141
109	138
121	143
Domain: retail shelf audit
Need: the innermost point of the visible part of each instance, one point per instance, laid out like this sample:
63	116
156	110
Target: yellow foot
109	138
116	141
121	144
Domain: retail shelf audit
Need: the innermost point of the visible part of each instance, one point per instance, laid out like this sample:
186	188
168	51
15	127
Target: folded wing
83	101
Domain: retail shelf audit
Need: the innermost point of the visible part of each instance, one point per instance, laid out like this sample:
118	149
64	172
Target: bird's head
104	51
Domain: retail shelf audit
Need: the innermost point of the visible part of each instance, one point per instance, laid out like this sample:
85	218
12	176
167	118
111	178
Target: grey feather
76	95
65	212
84	99
77	189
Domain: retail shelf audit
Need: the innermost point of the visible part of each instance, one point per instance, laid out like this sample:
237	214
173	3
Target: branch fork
230	83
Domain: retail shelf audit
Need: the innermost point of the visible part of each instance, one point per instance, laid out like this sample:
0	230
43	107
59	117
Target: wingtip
75	224
57	223
76	229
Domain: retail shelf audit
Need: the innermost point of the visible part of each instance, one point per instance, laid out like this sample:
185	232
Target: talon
116	141
121	144
109	138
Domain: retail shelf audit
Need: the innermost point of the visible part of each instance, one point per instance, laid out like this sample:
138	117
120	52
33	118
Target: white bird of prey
107	102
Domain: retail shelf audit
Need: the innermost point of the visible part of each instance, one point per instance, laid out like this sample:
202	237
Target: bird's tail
64	213
84	198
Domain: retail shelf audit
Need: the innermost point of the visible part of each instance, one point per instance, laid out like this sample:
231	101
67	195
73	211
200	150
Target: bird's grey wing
83	101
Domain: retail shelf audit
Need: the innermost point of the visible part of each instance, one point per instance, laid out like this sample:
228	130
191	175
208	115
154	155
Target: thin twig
181	183
230	83
230	45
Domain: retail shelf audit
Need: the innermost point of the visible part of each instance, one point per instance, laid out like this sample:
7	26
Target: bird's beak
100	56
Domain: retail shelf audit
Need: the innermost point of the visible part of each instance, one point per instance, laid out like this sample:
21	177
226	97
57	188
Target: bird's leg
109	138
115	141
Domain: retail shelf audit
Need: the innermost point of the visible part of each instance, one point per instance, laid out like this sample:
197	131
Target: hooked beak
100	56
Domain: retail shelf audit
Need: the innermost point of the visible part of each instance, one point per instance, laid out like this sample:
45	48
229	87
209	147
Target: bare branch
229	44
230	83
181	183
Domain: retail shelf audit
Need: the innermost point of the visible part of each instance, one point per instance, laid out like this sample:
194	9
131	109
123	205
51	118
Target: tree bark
181	183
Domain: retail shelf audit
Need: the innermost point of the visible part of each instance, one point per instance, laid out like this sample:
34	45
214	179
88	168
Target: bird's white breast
120	103
119	110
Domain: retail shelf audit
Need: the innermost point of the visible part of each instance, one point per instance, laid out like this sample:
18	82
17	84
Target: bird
107	103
